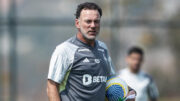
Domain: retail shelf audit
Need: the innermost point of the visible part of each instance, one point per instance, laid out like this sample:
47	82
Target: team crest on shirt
97	60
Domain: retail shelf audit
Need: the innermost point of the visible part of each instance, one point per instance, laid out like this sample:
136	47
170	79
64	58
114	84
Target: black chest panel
88	74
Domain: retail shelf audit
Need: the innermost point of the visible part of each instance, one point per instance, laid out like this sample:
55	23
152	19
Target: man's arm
153	91
53	90
59	65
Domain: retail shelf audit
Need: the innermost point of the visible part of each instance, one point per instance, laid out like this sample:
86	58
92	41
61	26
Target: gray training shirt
81	70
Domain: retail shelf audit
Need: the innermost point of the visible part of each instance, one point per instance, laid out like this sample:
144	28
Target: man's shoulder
146	75
102	44
66	46
123	70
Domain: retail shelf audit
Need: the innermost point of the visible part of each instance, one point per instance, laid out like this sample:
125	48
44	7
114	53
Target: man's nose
93	25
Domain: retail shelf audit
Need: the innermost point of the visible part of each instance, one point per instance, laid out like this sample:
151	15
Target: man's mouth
92	32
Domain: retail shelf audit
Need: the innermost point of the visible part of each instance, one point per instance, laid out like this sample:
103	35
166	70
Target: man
79	66
136	78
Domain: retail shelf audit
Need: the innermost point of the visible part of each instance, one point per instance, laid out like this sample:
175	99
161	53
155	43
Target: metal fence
30	30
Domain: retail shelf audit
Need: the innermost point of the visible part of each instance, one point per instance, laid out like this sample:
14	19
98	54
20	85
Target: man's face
134	61
89	23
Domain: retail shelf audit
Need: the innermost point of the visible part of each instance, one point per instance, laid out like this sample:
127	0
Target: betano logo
88	79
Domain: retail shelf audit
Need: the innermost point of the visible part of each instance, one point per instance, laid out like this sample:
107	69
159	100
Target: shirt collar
86	45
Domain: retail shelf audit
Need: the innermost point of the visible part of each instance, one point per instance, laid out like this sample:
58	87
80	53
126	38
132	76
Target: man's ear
77	23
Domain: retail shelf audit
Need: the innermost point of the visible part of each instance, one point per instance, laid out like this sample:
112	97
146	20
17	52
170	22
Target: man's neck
133	71
84	40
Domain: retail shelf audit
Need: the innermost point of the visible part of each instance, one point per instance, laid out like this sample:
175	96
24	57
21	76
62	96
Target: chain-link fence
31	29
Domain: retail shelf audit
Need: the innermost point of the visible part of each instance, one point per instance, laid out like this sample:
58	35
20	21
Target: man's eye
88	21
97	21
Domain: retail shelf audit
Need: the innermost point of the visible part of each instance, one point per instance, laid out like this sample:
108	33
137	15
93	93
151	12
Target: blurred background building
31	29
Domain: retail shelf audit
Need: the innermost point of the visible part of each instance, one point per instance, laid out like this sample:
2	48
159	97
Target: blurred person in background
137	79
79	66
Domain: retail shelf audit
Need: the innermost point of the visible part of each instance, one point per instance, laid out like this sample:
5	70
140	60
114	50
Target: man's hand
53	91
131	95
